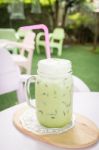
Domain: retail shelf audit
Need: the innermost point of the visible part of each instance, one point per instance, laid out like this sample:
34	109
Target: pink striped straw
41	26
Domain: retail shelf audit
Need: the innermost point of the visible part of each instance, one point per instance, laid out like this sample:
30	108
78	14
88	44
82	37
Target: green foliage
47	2
71	3
43	2
82	21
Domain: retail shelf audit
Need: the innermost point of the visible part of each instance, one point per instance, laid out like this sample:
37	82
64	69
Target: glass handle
27	90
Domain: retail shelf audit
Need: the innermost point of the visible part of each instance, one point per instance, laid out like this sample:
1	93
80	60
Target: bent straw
41	26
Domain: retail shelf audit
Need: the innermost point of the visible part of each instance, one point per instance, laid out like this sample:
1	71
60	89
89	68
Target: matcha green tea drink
53	92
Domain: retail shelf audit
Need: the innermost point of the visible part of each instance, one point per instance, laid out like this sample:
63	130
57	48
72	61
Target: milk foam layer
54	66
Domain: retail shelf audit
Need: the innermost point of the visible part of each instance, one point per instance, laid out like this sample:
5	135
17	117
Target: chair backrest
7	33
58	33
22	33
28	43
26	48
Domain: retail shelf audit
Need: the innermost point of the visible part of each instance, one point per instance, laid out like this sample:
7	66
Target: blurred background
79	19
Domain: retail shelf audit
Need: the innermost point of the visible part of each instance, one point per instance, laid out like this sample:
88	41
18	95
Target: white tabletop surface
85	103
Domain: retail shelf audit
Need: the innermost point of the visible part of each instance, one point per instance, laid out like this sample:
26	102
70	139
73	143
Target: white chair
8	34
10	77
79	85
56	40
23	60
22	33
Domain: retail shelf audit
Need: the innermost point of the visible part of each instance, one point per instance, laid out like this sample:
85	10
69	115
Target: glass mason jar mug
53	92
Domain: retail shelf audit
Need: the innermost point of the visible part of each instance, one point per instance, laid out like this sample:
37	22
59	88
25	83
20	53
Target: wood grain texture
84	134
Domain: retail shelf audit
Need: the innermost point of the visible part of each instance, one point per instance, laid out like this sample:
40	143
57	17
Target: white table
85	103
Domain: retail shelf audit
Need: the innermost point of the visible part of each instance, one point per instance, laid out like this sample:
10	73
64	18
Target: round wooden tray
84	134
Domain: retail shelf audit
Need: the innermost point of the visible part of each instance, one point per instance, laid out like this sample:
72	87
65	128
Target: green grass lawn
85	66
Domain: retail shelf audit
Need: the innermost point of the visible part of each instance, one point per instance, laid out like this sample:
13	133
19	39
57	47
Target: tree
61	7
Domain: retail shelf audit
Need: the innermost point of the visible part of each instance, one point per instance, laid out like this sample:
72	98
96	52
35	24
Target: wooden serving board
84	134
